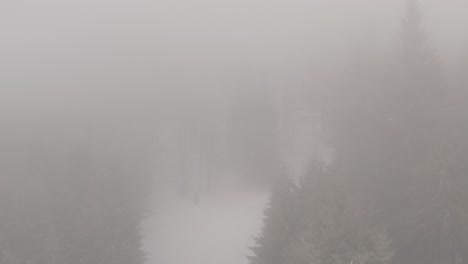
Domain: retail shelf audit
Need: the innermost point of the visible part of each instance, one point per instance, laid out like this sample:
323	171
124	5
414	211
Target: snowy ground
217	229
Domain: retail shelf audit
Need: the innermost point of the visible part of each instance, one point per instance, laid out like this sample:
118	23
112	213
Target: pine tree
278	226
332	228
80	203
423	199
253	137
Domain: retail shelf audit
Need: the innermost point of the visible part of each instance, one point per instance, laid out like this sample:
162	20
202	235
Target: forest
395	190
356	137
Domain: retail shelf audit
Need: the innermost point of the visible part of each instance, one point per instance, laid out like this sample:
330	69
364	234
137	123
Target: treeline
396	191
74	193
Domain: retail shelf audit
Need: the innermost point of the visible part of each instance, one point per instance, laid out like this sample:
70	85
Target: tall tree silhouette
278	225
73	200
419	194
253	137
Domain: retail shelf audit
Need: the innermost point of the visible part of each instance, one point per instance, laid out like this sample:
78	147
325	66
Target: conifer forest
234	132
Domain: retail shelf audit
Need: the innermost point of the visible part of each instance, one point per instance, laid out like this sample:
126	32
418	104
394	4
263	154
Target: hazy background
157	82
83	58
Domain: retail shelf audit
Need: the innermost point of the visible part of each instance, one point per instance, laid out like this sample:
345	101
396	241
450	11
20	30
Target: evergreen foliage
77	205
395	193
278	224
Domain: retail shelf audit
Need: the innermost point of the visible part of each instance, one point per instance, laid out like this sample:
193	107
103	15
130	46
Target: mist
233	131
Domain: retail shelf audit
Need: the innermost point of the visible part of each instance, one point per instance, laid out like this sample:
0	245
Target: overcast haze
233	131
150	44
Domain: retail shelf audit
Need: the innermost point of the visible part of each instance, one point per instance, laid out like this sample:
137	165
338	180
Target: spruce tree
253	137
79	202
422	194
278	226
332	227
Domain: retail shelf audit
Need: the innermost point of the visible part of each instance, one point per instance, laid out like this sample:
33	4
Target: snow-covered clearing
215	230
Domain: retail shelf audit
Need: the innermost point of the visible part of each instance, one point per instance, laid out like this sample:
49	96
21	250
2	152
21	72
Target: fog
233	131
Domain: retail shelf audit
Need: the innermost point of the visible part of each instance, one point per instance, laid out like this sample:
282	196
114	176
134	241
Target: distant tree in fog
253	137
400	169
397	146
71	200
419	178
